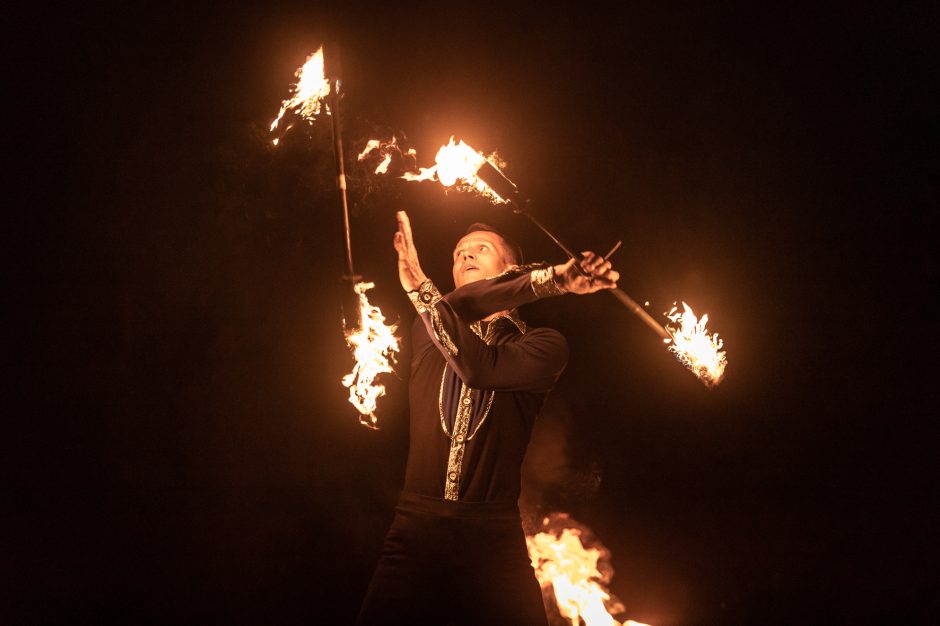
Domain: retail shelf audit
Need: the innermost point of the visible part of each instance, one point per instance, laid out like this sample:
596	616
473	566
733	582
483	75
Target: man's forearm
532	363
517	286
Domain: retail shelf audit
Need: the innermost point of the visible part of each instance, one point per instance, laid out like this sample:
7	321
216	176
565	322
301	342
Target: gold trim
486	413
425	300
440	402
513	316
543	282
425	296
458	444
517	270
459	438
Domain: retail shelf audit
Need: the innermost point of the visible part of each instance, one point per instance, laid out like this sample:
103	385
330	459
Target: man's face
479	255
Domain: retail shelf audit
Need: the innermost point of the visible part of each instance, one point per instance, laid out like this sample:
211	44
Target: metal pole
616	292
524	210
349	300
335	87
508	190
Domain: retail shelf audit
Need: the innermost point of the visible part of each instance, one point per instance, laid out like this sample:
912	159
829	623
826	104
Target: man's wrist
545	282
425	296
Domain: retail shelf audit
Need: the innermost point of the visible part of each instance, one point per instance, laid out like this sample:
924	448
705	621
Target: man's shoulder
544	335
542	331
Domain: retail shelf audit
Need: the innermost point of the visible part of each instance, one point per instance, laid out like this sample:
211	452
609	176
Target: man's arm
535	361
532	363
595	274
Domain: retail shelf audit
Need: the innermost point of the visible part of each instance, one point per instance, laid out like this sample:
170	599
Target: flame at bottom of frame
574	577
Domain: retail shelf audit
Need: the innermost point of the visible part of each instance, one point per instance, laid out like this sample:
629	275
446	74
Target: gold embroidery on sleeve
543	282
425	300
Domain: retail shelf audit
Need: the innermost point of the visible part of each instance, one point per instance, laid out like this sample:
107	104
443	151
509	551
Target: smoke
551	480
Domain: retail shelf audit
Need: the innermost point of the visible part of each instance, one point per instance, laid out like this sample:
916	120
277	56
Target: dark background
182	450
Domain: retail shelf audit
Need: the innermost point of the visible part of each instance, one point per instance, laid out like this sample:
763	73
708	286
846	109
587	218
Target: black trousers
453	563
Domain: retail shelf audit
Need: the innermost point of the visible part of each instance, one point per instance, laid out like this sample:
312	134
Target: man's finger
603	268
404	224
399	242
587	260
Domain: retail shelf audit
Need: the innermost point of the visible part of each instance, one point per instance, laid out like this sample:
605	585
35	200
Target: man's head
483	252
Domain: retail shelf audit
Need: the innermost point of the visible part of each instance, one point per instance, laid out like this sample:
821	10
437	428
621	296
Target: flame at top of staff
373	344
456	165
694	347
309	91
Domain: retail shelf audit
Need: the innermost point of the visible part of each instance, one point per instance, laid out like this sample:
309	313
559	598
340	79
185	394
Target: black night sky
183	451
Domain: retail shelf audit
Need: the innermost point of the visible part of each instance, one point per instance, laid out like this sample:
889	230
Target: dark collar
498	322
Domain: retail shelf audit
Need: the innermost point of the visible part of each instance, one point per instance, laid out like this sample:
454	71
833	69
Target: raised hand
409	268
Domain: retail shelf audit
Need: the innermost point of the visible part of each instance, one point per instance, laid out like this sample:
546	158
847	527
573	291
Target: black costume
456	553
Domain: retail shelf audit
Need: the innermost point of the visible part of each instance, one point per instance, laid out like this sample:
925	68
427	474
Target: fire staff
456	552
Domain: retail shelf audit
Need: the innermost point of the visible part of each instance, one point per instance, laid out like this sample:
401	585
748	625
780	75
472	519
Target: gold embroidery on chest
459	437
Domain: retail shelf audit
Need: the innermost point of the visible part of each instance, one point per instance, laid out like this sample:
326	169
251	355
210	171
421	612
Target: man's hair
513	249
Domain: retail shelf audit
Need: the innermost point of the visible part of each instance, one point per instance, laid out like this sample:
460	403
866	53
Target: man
456	552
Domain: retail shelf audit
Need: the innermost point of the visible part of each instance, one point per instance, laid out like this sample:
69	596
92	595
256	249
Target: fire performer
456	552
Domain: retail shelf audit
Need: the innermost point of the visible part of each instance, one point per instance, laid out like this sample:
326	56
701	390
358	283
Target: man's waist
491	510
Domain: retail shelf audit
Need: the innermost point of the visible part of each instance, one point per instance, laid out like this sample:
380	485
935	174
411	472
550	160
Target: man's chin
470	277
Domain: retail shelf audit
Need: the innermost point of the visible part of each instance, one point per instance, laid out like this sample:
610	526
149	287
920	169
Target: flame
564	566
695	348
455	165
373	344
385	150
310	90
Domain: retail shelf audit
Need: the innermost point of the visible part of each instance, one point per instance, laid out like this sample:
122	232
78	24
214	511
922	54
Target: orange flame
455	165
385	150
695	348
310	90
564	566
373	344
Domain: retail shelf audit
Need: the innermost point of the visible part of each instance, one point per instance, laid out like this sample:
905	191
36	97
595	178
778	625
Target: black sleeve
532	363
